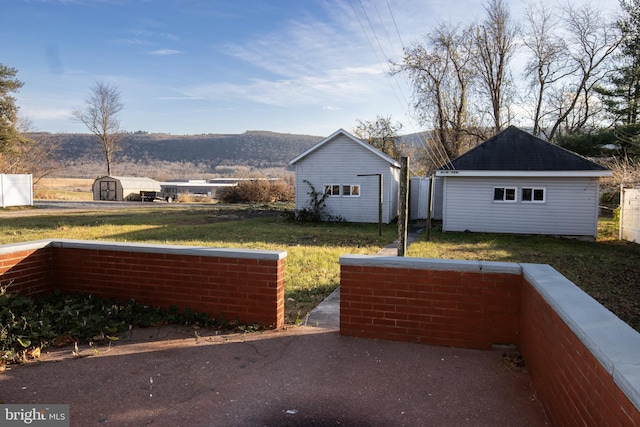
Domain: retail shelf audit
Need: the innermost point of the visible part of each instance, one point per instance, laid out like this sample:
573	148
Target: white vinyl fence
630	214
419	198
16	190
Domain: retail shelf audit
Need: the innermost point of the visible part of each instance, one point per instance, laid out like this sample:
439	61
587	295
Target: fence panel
16	190
630	214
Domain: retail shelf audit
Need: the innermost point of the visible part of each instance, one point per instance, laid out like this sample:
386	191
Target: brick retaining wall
583	360
471	305
27	267
247	285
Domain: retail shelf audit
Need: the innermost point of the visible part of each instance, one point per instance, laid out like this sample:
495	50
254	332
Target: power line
436	148
394	23
443	157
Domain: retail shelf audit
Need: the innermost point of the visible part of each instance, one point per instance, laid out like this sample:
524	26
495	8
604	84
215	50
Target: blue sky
221	66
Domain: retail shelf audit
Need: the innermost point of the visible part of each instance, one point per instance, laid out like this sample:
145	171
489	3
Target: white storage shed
352	173
121	188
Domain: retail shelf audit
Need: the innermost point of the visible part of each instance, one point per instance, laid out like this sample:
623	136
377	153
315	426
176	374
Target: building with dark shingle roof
517	183
517	150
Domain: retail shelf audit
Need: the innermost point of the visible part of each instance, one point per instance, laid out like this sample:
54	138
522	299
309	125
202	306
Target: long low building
197	186
209	188
121	188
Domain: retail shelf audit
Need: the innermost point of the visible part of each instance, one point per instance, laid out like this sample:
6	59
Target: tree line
580	88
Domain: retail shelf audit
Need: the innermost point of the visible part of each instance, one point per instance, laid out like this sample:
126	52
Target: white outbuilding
356	177
520	184
121	188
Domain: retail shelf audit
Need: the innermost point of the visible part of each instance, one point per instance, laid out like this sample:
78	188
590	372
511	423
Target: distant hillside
164	156
254	149
418	139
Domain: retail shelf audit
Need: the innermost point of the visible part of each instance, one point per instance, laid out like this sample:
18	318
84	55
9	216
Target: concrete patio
298	376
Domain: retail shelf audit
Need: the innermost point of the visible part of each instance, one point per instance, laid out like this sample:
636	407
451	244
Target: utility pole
432	185
403	220
380	181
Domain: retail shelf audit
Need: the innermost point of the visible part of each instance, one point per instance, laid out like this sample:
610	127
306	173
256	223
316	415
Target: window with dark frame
346	190
504	194
351	190
534	195
332	189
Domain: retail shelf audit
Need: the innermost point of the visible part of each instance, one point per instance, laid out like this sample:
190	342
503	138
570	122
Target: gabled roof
352	138
132	181
516	150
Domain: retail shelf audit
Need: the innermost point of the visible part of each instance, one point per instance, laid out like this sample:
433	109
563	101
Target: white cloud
39	113
165	52
179	98
134	41
326	88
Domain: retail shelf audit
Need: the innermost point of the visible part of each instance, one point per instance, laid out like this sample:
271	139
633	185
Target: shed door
108	190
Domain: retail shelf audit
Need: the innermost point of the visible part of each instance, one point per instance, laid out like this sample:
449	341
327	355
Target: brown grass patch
65	184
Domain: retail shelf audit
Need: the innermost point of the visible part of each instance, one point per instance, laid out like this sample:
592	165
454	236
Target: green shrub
315	209
616	216
30	324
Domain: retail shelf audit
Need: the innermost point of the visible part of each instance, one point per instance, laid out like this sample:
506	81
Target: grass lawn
312	269
609	270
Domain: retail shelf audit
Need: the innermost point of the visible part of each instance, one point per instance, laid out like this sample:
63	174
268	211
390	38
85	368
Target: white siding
570	209
630	215
339	161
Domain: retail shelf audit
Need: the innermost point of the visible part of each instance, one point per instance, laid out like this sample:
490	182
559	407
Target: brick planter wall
584	362
231	284
26	267
467	304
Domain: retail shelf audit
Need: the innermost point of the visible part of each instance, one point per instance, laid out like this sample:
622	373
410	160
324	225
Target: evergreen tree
622	97
9	134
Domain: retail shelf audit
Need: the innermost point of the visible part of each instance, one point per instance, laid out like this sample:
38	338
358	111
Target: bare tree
36	154
463	88
381	134
442	75
592	42
100	116
495	46
548	62
457	67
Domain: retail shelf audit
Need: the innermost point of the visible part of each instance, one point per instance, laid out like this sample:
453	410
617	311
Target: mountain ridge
183	156
254	148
